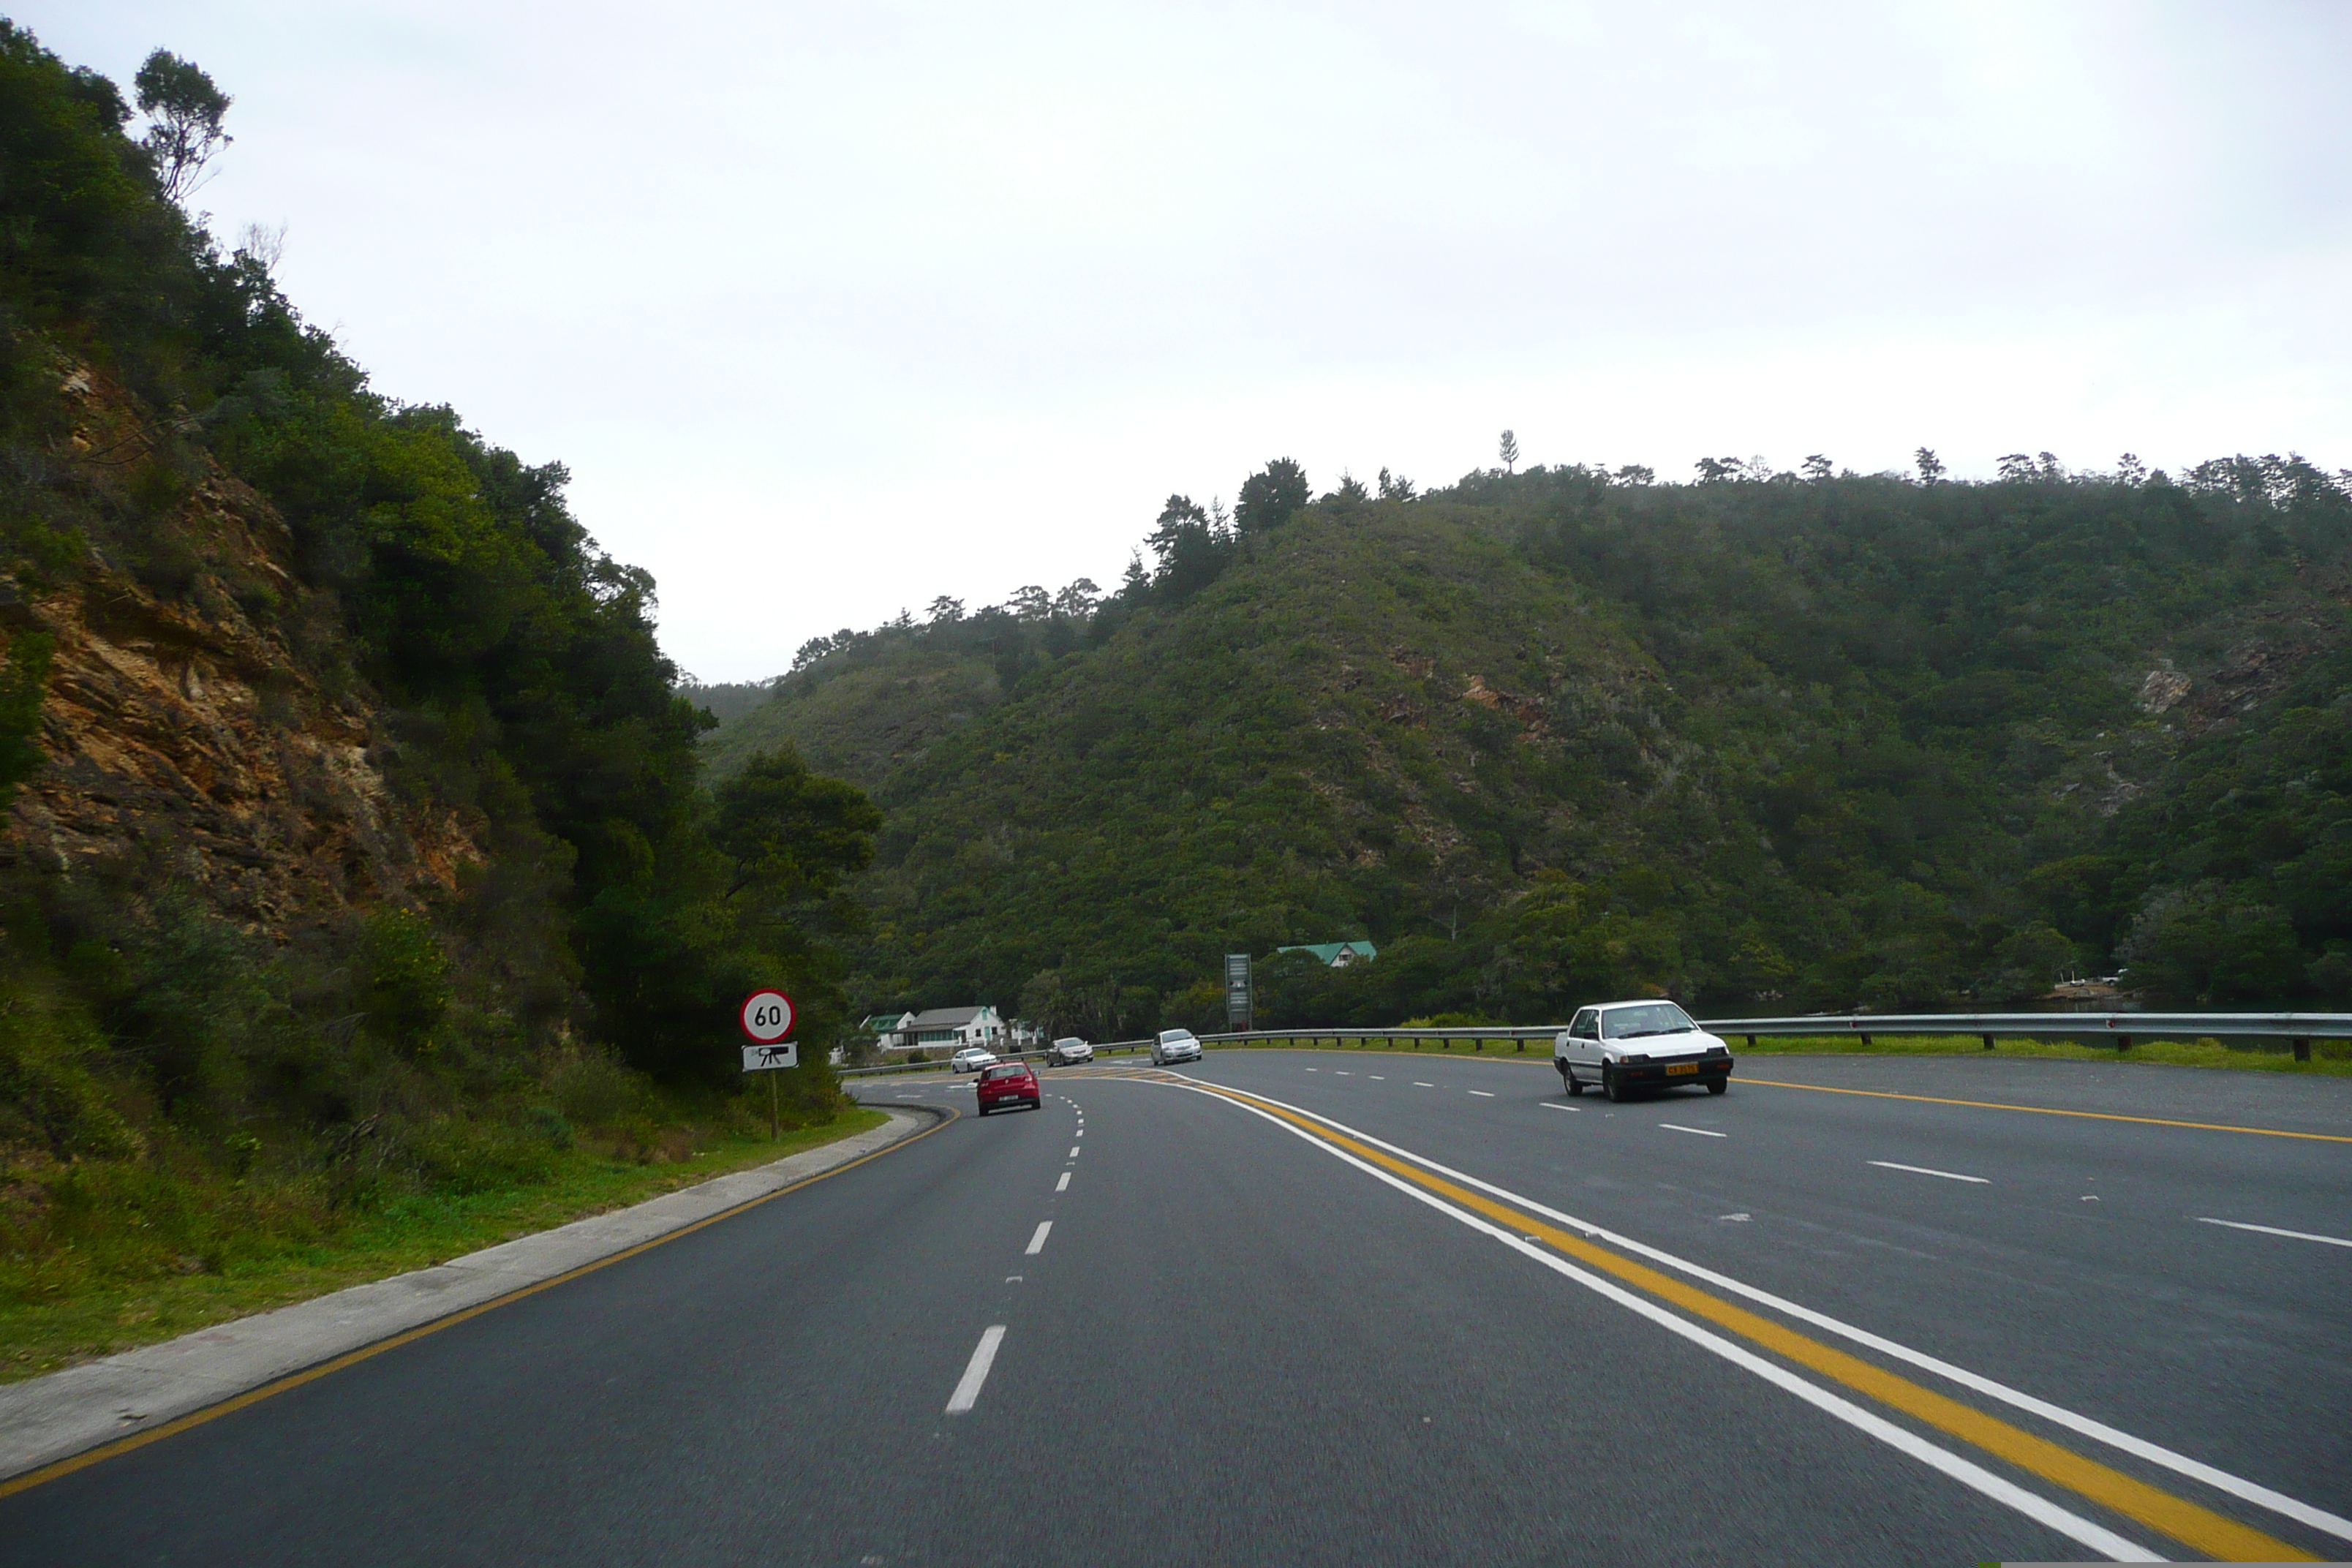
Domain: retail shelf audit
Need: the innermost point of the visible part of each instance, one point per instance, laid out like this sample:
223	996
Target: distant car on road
1008	1083
1619	1046
971	1058
1175	1046
1070	1050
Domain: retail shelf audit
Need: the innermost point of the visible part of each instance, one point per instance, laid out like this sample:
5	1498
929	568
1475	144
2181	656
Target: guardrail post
1865	1040
2122	1042
2301	1049
1988	1040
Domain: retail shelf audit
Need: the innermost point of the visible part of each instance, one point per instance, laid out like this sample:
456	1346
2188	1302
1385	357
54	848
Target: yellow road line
2046	1110
2220	1537
90	1457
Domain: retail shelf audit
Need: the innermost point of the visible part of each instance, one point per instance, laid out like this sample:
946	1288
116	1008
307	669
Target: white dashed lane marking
1074	1151
975	1371
1418	1083
1037	1241
1924	1170
1678	1127
1482	1094
2273	1230
1063	1184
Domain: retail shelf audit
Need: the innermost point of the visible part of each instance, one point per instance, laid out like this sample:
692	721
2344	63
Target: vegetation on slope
163	1048
1775	740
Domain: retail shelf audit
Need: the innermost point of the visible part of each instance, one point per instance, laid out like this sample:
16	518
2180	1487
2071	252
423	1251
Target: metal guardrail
2298	1029
2120	1030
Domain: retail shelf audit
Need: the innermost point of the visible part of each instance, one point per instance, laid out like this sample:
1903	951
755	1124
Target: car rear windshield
1650	1018
1010	1070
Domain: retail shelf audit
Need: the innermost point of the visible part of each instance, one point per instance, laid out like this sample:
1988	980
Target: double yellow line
2209	1532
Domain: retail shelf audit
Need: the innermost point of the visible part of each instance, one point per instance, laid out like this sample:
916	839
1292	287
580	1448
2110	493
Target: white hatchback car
1068	1050
1619	1046
1175	1046
971	1058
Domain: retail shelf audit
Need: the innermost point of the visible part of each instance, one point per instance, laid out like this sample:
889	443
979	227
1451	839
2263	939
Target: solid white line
2156	1454
975	1371
1037	1242
1968	1473
1063	1184
2273	1230
1074	1151
1678	1127
1483	1094
1924	1170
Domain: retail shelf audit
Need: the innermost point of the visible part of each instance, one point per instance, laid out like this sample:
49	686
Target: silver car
971	1058
1175	1046
1069	1050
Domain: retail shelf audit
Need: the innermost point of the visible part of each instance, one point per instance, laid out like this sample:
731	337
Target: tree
1716	470
1396	486
185	110
1637	474
1931	467
1077	601
946	612
1508	450
1029	604
1817	468
794	834
1351	488
1271	497
2016	468
2130	469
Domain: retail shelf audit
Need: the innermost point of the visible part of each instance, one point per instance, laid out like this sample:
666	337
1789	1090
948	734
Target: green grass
56	1309
2330	1057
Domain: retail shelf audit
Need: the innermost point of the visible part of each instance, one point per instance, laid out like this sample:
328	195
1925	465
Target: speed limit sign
767	1016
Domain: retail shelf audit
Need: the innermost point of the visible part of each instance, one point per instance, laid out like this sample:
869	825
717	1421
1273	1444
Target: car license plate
1676	1069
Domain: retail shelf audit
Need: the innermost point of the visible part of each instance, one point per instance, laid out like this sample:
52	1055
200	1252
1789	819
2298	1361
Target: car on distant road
1622	1046
971	1058
1175	1046
1068	1050
1000	1084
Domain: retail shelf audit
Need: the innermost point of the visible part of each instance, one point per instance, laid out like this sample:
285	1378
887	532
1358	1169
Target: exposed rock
186	726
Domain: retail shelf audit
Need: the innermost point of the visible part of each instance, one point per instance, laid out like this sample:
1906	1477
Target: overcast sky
834	308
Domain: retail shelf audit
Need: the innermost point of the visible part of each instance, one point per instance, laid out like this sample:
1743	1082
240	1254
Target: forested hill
1769	739
350	803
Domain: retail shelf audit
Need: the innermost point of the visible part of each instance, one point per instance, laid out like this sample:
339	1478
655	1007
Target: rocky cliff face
184	723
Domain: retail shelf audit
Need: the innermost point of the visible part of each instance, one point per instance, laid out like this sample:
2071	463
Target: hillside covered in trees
357	845
1776	740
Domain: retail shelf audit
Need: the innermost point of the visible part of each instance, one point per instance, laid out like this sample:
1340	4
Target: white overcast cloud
831	310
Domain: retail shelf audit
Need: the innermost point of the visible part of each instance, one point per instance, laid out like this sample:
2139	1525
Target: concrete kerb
46	1419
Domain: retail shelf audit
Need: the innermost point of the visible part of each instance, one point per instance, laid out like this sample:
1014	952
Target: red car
1008	1083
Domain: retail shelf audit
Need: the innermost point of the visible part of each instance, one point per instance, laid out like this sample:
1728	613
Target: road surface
1293	1307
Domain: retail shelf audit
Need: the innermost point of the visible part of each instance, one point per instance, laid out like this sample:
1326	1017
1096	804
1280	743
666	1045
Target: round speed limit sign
767	1016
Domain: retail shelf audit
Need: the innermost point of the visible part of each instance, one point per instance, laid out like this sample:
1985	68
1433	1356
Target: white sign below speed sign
767	1016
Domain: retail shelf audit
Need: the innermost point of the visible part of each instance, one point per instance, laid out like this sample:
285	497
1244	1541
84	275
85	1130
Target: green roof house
1337	954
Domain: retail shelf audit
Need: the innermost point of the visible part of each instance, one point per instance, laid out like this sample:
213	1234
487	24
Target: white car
971	1058
1068	1050
1619	1046
1174	1046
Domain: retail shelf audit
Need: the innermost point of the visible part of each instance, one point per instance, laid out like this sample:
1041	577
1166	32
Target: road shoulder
46	1419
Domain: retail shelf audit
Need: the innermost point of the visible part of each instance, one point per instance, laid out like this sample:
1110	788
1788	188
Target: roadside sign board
767	1017
1239	1001
765	1059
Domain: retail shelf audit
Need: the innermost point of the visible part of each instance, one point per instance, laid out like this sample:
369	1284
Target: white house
954	1028
889	1029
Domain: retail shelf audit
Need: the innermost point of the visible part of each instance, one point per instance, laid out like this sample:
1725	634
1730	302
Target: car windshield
1650	1018
1170	1037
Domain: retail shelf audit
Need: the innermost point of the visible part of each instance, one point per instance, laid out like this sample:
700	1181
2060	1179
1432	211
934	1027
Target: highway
1311	1307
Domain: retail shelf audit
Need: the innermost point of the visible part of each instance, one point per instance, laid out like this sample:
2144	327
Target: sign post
1239	1004
767	1018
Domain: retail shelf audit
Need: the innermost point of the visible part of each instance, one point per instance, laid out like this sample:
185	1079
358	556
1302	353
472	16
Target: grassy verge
2330	1057
57	1309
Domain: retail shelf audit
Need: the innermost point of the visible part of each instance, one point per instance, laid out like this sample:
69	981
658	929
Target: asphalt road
1333	1307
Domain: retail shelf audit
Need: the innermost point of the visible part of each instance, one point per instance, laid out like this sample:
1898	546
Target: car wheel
1575	1089
1718	1085
1610	1088
984	1110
